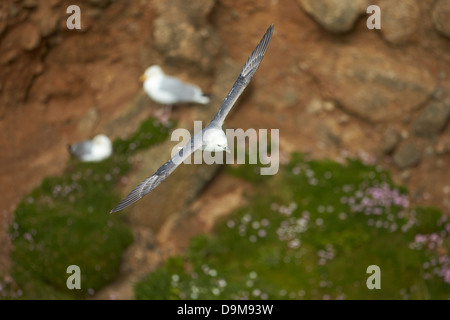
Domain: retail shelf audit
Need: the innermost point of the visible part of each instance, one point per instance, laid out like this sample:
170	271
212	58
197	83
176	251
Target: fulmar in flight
211	138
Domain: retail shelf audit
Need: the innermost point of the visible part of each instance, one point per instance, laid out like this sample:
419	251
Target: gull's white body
170	90
93	150
212	138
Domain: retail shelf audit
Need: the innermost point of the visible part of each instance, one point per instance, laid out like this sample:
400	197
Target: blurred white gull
170	90
93	150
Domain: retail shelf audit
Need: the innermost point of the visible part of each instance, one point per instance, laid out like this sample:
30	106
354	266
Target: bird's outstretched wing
161	174
244	78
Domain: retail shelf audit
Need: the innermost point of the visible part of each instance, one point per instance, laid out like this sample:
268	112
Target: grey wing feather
160	175
81	149
244	78
184	92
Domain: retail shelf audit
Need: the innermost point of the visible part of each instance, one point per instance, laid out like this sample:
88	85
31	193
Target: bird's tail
203	99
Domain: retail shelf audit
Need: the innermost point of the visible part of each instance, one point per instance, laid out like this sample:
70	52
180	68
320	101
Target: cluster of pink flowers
326	255
291	228
284	210
254	229
437	265
376	200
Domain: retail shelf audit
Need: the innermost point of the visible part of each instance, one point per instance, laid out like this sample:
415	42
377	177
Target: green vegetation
310	232
66	221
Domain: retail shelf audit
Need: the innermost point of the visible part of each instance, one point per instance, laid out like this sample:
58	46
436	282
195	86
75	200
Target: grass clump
311	232
66	221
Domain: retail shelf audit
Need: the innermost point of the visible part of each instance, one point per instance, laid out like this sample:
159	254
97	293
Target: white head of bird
152	72
101	140
215	140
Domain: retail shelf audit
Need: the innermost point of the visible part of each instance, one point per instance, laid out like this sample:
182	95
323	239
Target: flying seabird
211	138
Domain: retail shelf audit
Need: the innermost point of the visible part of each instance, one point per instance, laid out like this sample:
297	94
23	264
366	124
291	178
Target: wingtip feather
255	58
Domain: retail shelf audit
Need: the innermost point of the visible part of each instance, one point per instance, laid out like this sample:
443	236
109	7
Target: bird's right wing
161	174
244	78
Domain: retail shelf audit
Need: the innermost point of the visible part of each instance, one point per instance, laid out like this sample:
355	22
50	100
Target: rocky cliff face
331	85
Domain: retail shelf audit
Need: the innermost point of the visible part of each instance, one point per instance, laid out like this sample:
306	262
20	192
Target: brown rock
88	121
54	3
9	56
4	6
180	40
432	120
399	20
100	3
407	155
442	147
382	87
29	36
48	22
391	139
193	10
326	134
30	4
335	15
440	14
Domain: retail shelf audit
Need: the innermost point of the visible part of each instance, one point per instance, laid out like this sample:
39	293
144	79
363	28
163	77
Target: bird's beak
142	78
227	149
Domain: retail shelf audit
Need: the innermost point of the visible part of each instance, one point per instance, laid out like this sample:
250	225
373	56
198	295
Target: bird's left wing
244	78
161	174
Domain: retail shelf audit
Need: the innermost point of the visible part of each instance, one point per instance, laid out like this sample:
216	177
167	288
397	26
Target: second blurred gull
94	150
169	90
